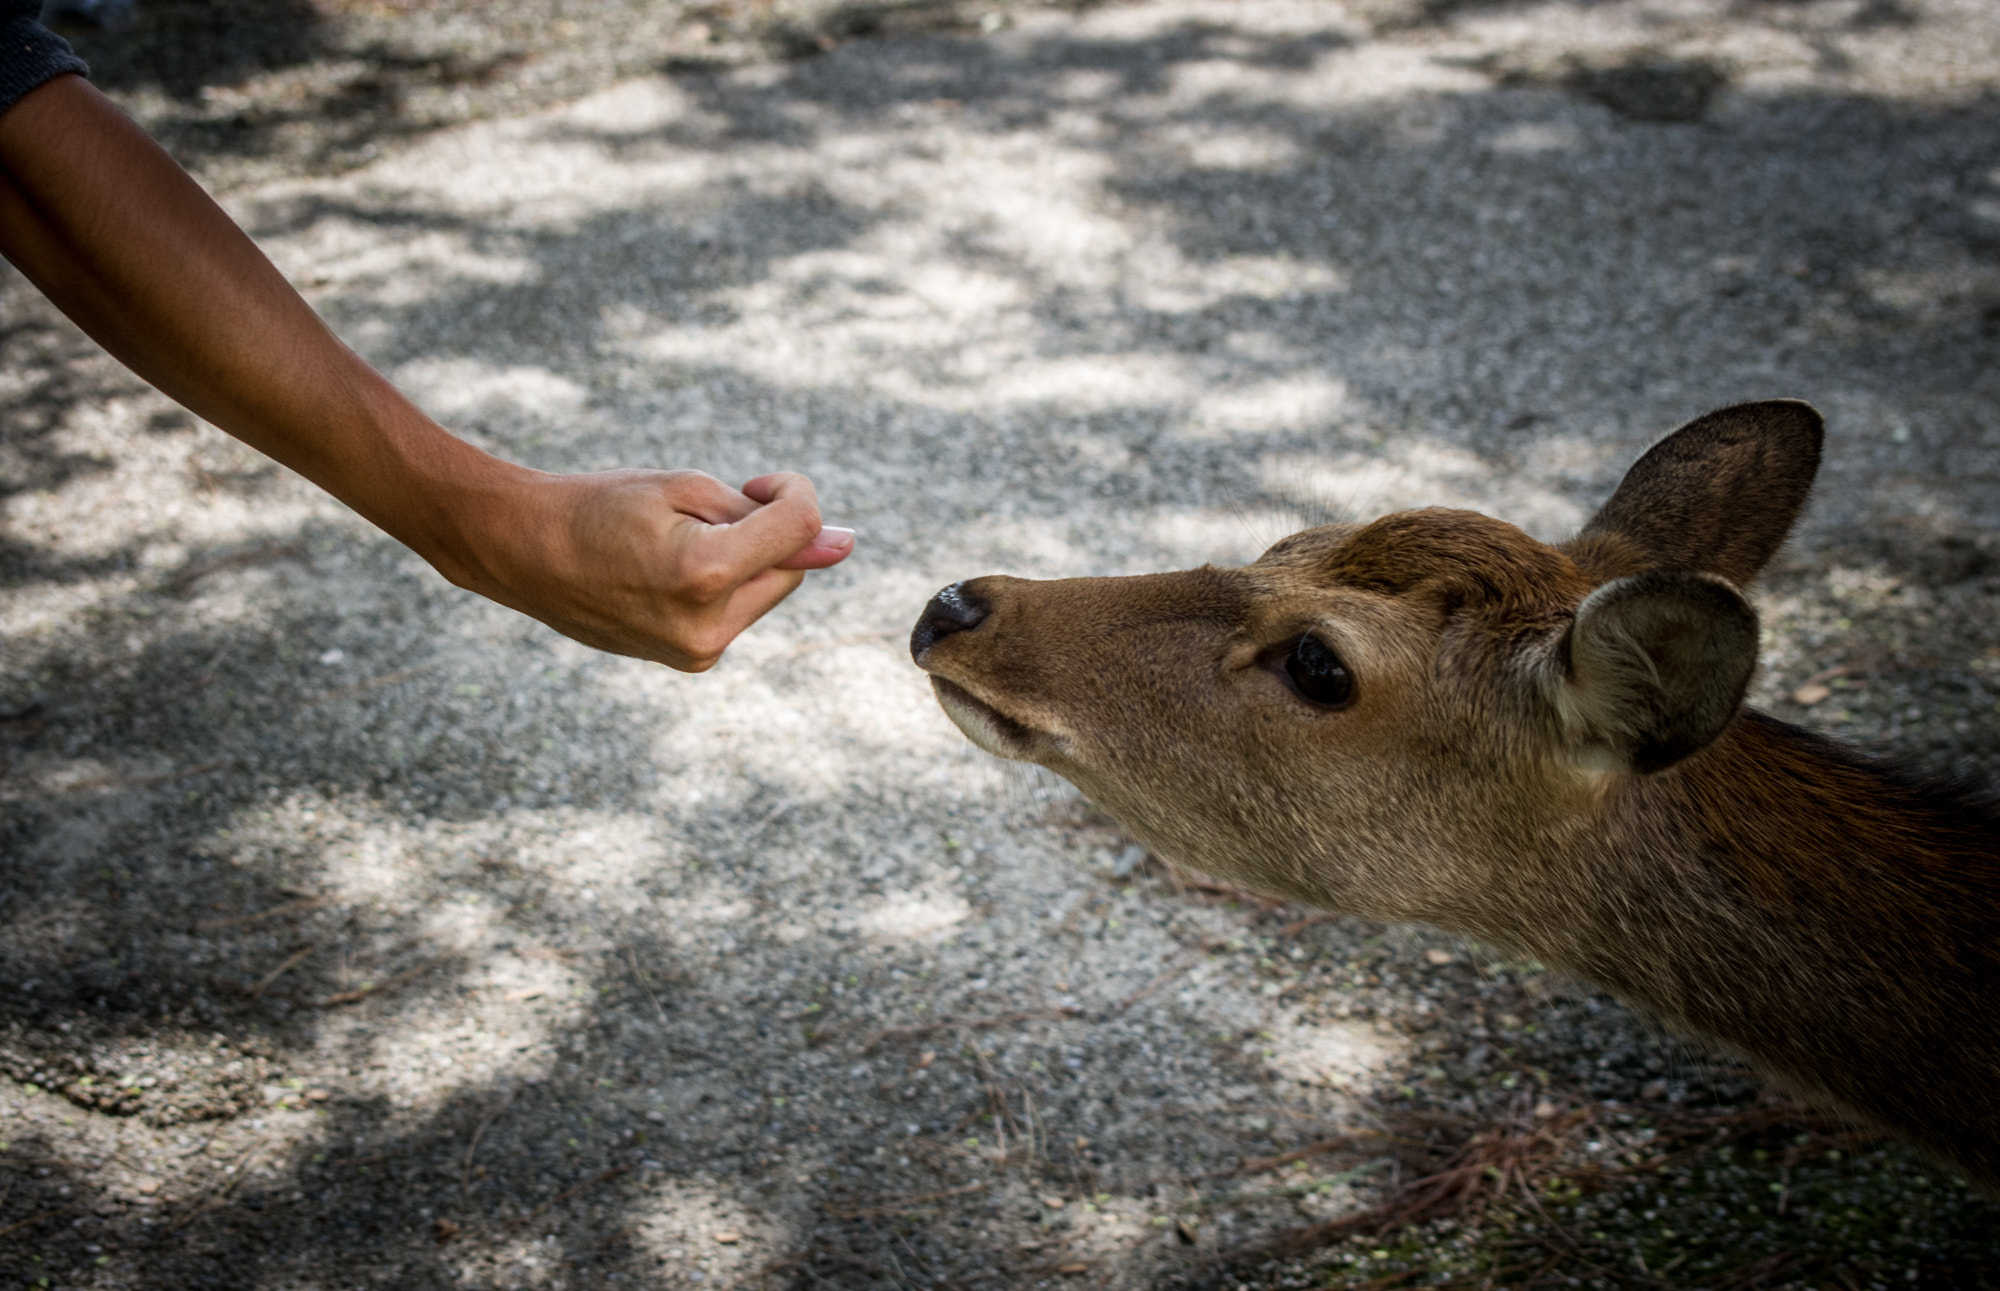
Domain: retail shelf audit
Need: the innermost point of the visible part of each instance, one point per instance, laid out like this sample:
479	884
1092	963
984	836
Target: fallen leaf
729	1238
1813	694
1439	956
1053	1202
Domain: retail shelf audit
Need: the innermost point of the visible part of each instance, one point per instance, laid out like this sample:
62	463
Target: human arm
664	565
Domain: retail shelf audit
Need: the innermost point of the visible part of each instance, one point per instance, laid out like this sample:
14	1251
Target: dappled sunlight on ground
360	932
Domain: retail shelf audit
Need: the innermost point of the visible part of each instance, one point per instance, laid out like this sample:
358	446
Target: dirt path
359	933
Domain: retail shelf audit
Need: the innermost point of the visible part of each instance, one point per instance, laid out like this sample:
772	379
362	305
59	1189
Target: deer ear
1718	495
1654	667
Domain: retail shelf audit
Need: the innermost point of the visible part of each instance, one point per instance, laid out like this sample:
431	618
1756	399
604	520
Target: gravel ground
359	933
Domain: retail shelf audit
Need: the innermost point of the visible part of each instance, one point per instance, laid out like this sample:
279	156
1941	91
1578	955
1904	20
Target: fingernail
833	537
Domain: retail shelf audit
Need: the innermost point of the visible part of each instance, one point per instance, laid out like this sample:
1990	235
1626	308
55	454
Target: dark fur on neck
1833	916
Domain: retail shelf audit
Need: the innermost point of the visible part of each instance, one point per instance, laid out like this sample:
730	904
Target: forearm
131	248
666	565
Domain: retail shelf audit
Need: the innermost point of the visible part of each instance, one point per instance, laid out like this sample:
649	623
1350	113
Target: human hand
661	565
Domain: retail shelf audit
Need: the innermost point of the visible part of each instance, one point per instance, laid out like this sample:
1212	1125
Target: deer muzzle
939	642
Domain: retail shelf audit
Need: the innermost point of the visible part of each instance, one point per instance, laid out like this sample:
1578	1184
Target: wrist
453	503
477	509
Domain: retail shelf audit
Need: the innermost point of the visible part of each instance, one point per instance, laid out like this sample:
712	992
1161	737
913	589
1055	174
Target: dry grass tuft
1451	1167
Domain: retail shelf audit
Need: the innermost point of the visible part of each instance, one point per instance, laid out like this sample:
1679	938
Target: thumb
832	545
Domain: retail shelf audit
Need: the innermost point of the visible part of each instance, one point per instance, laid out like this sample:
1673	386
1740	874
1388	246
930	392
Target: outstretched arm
664	565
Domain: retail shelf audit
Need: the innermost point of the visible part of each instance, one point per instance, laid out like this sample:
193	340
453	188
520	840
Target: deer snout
952	610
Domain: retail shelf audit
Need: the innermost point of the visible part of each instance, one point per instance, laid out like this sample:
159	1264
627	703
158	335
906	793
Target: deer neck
1781	894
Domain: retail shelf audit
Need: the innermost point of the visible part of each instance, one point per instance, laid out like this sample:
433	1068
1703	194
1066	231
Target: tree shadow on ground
667	1078
185	46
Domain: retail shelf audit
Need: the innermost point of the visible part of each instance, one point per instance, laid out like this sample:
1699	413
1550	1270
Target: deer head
1394	718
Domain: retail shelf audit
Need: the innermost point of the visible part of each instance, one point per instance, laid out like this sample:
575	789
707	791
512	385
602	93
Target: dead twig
1226	1200
215	1194
977	1024
1188	955
1230	892
632	962
768	1270
1515	1154
291	961
602	1176
141	782
387	984
1175	966
363	687
1343	1143
390	1155
1297	926
32	1220
996	1099
1387	1280
771	818
300	906
479	1132
198	684
188	575
904	1203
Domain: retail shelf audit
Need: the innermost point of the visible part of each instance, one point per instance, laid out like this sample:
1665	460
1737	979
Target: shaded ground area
358	933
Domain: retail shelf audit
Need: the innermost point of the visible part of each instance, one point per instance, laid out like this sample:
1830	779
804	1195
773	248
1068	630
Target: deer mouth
984	724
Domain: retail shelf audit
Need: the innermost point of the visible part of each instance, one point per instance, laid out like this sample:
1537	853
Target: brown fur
1545	748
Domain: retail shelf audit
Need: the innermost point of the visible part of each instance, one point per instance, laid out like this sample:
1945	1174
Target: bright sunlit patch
1096	381
1336	1054
905	916
1414	472
1240	149
633	107
1532	137
458	387
352	256
100	511
1289	403
695	1232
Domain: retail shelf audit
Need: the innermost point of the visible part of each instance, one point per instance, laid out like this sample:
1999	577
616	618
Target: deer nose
952	610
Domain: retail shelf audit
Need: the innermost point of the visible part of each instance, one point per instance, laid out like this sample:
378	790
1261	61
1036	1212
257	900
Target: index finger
729	555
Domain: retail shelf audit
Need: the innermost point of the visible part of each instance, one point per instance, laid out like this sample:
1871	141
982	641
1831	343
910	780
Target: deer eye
1318	673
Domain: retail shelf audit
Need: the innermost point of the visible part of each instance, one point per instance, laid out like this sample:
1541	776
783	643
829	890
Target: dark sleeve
29	52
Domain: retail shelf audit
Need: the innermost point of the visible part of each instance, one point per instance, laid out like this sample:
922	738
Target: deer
1435	718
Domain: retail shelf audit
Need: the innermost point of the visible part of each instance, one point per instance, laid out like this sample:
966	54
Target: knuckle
707	581
704	648
808	525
